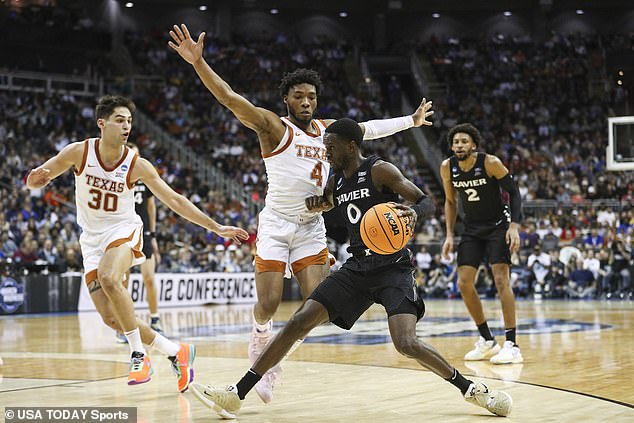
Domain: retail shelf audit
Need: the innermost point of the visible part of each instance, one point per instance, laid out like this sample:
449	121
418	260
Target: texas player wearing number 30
112	238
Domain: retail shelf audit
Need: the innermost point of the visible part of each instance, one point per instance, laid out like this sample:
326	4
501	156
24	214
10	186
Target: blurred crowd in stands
532	102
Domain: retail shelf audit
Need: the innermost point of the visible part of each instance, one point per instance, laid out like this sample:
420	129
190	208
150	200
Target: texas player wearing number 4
112	238
290	237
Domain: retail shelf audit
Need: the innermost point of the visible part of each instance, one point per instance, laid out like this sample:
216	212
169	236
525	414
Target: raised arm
70	156
145	172
380	128
451	208
264	122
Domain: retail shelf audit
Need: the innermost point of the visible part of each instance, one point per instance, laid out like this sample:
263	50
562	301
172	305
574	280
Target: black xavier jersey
141	194
356	195
480	193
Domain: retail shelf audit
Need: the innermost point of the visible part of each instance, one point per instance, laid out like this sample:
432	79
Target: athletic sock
485	332
165	346
510	335
134	340
459	381
247	383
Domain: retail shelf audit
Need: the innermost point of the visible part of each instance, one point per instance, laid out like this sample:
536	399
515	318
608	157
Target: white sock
134	340
262	328
165	346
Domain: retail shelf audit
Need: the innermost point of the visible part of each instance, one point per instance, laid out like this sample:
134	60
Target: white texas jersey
104	196
296	169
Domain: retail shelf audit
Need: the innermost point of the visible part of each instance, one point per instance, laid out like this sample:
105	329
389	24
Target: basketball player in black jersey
364	279
145	207
490	230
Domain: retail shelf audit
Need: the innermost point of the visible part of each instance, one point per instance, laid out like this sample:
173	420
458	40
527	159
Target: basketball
383	231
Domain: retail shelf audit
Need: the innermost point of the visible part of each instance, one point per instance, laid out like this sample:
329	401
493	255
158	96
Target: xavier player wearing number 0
112	238
289	235
364	279
489	229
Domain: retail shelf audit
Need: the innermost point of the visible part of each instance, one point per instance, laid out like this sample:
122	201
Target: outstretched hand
38	178
422	113
234	233
184	44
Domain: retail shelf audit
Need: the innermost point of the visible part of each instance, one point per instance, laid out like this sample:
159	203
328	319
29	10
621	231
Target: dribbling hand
184	44
406	213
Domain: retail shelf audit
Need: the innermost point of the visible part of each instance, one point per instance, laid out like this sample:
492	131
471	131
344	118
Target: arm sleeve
424	207
385	127
509	186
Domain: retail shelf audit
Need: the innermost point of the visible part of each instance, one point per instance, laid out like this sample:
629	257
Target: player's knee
110	321
269	304
108	279
464	284
407	345
501	279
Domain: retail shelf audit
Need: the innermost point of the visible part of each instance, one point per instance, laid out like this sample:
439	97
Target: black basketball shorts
348	293
481	240
147	246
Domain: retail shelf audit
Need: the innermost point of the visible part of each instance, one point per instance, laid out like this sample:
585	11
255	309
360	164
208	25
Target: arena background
539	78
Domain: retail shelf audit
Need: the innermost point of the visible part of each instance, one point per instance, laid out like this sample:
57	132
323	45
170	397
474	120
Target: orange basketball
383	231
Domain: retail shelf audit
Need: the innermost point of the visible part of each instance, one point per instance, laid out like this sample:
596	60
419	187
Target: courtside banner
180	289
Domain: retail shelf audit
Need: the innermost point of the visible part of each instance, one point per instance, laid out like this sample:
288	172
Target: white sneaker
224	401
497	402
258	340
264	388
509	354
483	350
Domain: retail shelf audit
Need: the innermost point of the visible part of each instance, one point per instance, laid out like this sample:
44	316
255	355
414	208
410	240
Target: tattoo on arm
93	286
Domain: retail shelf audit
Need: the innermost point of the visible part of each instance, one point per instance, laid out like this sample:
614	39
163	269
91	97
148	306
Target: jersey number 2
109	201
472	195
316	174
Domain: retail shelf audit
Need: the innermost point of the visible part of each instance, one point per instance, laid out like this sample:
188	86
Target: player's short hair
299	76
465	128
106	105
346	128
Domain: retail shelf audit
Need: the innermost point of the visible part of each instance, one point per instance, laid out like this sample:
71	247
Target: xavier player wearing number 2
112	233
489	229
295	159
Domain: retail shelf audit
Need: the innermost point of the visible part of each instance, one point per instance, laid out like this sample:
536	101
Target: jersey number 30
108	201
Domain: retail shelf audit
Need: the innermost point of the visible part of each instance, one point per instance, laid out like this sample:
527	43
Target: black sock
247	383
459	381
485	332
510	335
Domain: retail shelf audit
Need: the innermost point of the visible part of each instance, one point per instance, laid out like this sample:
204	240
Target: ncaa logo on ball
392	222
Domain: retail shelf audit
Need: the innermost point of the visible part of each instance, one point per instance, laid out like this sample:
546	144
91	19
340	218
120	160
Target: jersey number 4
316	174
108	201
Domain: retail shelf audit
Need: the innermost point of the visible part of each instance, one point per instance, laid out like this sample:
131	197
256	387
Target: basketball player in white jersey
289	235
112	238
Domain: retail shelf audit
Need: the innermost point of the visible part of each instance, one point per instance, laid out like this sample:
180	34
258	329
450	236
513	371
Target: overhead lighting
619	82
343	14
621	73
129	4
580	12
274	11
507	14
435	15
202	8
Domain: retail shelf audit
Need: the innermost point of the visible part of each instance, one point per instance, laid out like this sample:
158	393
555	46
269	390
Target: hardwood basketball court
579	366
